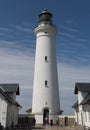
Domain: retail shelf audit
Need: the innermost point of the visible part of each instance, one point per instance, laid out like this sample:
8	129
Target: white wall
39	119
12	114
81	96
12	95
84	111
3	110
45	96
86	115
8	112
76	116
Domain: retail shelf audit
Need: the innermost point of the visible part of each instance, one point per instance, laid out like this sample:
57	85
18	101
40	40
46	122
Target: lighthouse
45	104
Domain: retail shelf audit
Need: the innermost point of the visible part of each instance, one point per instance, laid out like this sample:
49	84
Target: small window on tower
46	82
45	23
45	103
45	58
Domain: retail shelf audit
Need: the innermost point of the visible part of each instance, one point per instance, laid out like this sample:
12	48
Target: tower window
45	103
45	58
45	23
46	82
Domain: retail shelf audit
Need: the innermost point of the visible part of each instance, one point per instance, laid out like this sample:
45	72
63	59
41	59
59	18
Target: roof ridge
2	89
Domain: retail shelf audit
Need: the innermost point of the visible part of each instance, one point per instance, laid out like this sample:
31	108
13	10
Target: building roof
5	95
29	110
9	98
17	104
75	104
10	88
82	87
45	12
61	111
86	100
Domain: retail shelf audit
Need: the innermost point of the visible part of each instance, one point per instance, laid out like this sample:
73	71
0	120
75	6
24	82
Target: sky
18	18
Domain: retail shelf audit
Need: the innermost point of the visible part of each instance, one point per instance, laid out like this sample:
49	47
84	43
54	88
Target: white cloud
71	29
70	22
22	28
68	76
18	69
5	29
66	34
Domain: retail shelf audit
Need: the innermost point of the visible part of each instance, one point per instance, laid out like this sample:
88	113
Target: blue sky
17	45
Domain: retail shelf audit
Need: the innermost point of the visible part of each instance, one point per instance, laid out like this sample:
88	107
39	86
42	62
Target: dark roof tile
82	87
75	105
86	100
10	88
9	98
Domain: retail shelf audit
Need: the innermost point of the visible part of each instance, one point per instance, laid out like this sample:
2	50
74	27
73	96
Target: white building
45	91
82	106
9	107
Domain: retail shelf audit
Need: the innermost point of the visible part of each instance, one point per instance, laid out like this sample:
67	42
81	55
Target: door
46	116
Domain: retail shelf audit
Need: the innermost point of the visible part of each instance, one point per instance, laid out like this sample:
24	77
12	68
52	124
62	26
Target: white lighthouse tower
45	103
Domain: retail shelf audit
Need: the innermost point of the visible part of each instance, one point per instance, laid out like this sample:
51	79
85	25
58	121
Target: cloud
17	37
19	45
4	29
66	34
18	69
73	30
71	22
72	45
82	40
22	28
68	76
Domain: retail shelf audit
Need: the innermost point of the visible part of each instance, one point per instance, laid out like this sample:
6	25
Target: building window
46	82
4	112
45	23
46	58
45	103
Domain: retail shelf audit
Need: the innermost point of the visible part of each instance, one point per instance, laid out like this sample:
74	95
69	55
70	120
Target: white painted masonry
9	108
82	108
3	110
45	90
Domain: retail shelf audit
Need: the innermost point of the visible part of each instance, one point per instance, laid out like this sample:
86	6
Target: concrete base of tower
49	119
39	119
